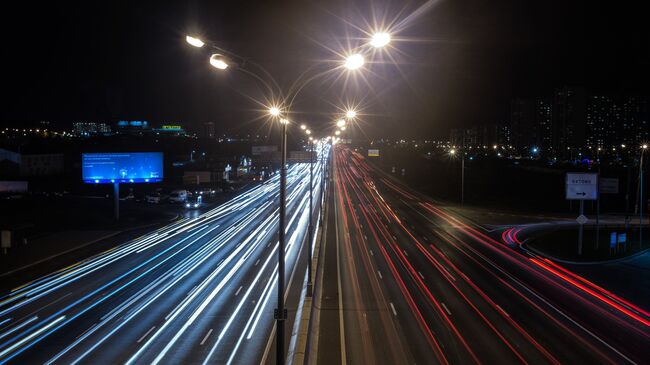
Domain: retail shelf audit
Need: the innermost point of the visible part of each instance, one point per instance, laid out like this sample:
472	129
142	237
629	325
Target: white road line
406	253
146	334
238	290
504	312
257	262
84	332
445	307
379	273
393	308
372	253
422	276
207	335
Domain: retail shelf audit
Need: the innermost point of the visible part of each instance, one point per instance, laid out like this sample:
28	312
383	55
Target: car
194	202
155	198
178	196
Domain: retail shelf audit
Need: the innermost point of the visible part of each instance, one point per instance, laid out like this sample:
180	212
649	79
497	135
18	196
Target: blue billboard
122	167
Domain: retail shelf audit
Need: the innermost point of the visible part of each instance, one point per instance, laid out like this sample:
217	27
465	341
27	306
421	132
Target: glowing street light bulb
354	61
311	139
194	41
380	39
340	123
284	121
645	146
274	111
452	152
350	114
308	132
343	128
303	127
217	61
337	132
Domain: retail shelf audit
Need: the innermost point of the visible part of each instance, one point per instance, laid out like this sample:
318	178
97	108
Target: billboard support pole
116	199
582	211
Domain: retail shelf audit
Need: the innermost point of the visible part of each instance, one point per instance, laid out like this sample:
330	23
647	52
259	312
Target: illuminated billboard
122	167
373	153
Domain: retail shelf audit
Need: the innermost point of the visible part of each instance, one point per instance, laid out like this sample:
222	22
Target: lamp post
452	152
311	212
280	312
640	189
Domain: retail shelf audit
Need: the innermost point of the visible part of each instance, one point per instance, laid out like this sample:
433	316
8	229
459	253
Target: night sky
458	61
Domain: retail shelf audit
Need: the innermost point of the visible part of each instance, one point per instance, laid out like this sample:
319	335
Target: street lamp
380	39
218	61
340	123
194	41
337	133
303	127
274	111
350	114
343	128
354	61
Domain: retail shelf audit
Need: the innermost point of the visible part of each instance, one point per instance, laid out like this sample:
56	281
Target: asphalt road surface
407	281
201	290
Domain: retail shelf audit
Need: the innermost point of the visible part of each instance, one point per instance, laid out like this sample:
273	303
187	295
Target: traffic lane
565	291
171	294
367	313
129	255
189	334
555	334
90	319
85	291
591	310
462	330
515	317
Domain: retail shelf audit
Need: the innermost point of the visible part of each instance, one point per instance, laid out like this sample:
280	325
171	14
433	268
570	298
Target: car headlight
187	205
196	205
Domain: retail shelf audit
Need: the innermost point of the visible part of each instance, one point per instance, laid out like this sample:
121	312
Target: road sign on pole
581	186
608	185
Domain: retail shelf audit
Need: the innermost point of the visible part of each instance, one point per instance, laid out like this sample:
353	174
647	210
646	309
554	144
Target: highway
408	280
201	290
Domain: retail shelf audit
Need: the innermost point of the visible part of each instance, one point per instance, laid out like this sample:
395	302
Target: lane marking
504	312
146	334
238	290
257	262
379	272
207	335
84	332
422	276
445	307
406	253
393	308
372	253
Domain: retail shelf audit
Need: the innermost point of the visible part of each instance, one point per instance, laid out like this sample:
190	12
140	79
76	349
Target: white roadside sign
581	186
